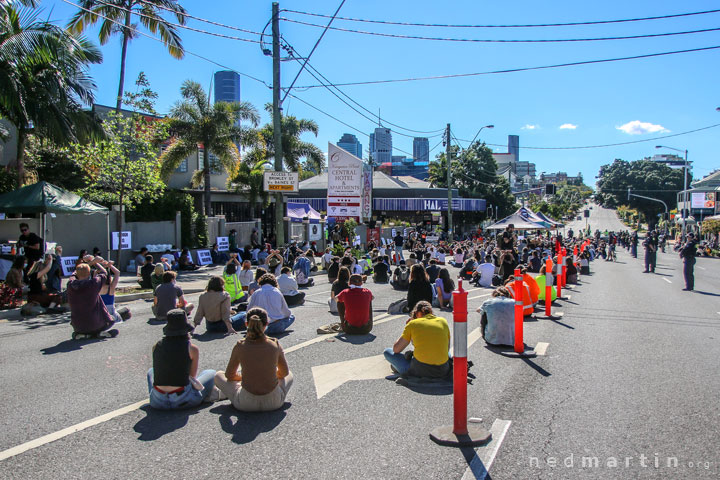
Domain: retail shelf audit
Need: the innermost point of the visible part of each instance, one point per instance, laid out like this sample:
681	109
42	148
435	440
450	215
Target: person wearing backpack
401	277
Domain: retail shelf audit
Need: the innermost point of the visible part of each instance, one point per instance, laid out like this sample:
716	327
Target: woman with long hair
419	288
214	307
341	283
107	293
444	286
37	277
257	377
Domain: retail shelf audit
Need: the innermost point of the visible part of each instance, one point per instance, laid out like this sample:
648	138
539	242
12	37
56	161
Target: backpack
398	307
404	278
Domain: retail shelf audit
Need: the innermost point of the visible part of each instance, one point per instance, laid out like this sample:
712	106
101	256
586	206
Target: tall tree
117	18
195	122
44	79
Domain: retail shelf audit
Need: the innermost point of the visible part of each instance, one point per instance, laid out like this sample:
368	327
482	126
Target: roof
712	180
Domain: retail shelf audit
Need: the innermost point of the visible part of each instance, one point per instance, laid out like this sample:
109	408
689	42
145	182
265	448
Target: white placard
432	238
280	181
315	231
702	200
126	240
394	233
384	242
6	249
50	247
68	265
223	244
204	257
357	240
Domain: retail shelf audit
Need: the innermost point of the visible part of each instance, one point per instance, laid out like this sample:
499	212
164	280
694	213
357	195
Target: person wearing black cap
173	381
688	253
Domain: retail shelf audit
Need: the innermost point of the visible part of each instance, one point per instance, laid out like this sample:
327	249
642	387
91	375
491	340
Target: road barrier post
559	274
563	266
519	289
548	287
460	434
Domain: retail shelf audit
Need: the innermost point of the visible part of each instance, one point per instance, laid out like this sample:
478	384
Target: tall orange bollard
548	287
518	290
563	270
559	274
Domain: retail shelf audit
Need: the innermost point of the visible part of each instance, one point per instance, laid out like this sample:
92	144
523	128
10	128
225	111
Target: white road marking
485	456
480	296
667	280
541	348
38	442
566	297
317	293
702	268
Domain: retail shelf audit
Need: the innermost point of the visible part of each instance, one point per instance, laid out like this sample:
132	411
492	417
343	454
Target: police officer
650	245
687	253
634	243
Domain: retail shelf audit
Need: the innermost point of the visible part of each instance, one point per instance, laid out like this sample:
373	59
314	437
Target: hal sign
280	181
223	244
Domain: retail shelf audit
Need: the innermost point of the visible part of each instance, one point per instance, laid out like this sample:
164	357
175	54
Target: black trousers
689	273
650	259
295	300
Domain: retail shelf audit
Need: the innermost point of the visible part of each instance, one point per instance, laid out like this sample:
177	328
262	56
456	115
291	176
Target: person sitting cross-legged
302	268
431	337
289	288
257	377
169	296
214	307
355	308
88	315
271	300
173	381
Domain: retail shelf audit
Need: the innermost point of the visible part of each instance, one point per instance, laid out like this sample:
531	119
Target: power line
598	22
497	40
200	19
135	30
178	25
313	49
522	69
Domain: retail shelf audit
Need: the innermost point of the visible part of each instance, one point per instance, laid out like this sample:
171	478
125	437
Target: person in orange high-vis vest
532	285
528	306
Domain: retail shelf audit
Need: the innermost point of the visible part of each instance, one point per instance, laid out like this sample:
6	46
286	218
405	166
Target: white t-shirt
440	257
287	284
486	270
246	277
459	257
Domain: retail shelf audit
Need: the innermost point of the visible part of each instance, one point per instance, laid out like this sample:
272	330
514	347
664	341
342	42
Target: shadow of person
280	335
707	293
208	336
157	423
156	321
356	339
248	425
67	346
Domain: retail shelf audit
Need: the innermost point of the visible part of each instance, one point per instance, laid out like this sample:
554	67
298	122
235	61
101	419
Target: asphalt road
630	370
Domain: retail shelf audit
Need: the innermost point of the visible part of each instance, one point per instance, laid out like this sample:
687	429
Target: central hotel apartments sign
349	191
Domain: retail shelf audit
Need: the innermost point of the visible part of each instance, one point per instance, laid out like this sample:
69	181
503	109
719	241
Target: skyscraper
421	149
381	145
350	144
514	146
227	86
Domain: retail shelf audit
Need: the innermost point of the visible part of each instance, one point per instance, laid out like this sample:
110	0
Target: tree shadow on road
33	323
247	426
157	423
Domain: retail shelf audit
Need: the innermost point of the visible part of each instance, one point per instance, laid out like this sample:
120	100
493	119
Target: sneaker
214	395
80	336
112	333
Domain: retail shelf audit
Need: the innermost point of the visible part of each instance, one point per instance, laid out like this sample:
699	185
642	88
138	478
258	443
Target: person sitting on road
107	293
540	279
289	288
302	268
233	285
157	276
257	377
88	315
169	296
145	271
528	306
342	282
419	287
269	298
254	286
571	272
170	260
37	279
173	382
433	270
246	275
380	271
185	261
355	308
468	269
497	322
218	257
442	290
585	262
401	277
534	263
139	258
532	284
214	307
333	268
430	335
274	263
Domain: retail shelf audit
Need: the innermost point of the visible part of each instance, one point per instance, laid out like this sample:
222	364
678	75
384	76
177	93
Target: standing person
508	238
232	241
257	377
88	315
53	284
355	308
650	245
255	238
634	244
688	253
33	245
419	288
169	296
173	381
399	246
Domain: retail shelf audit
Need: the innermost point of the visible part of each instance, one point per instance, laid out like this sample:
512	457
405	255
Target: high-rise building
514	146
350	144
421	149
227	86
381	145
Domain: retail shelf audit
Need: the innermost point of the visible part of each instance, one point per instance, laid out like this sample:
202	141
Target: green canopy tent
44	198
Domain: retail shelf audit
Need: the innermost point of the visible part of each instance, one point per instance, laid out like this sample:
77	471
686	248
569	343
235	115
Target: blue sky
647	98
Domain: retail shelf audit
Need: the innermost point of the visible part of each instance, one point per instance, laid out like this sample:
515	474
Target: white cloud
568	126
530	126
636	127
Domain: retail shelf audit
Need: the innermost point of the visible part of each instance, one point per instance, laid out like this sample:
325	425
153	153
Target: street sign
280	181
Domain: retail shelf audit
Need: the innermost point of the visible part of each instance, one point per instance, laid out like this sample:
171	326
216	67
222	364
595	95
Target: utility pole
277	124
449	182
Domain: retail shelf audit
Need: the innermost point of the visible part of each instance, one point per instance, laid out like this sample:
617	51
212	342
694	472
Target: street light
478	132
685	168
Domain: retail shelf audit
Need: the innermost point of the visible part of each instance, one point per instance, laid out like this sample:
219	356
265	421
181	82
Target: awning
523	219
297	211
43	197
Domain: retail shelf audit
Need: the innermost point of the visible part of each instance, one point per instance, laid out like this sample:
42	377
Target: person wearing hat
688	253
173	381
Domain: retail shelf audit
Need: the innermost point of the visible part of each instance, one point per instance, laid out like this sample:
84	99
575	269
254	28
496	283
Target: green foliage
644	177
200	231
349	226
8	180
52	163
163	209
125	167
144	98
710	227
569	198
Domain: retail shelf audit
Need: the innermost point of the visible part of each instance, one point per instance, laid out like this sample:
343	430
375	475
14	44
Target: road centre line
541	348
317	293
480	464
667	280
701	268
480	296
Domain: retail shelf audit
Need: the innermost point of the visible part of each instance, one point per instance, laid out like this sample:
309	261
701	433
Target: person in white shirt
459	258
485	272
326	258
269	298
245	275
289	288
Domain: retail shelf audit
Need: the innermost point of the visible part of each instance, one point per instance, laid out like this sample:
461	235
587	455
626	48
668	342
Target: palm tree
194	122
44	80
117	18
293	148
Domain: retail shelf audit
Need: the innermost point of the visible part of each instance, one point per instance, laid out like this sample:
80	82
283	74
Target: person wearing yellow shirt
430	335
